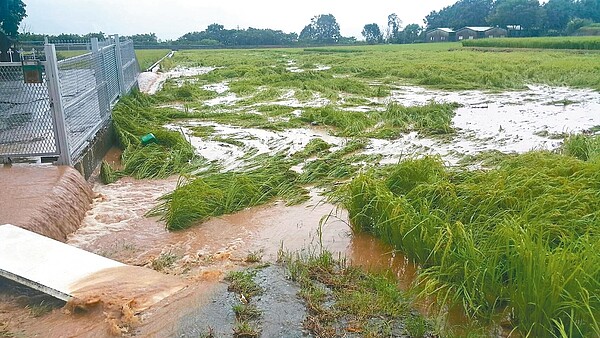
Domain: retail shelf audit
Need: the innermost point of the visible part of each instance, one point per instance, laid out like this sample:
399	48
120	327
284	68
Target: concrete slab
45	264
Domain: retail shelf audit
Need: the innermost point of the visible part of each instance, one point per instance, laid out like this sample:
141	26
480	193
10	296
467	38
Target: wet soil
282	311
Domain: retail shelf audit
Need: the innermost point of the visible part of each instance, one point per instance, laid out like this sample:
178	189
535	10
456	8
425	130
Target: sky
173	18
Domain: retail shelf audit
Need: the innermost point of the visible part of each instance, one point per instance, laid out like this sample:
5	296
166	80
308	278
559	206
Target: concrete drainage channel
281	311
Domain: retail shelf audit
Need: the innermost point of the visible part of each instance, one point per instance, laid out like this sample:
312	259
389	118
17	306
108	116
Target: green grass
585	148
521	238
214	194
242	282
443	66
566	42
334	292
135	116
147	57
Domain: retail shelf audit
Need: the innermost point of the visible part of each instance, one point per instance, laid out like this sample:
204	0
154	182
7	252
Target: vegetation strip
342	299
522	237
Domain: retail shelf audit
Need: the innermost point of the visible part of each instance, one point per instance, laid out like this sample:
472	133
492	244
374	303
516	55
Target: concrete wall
93	155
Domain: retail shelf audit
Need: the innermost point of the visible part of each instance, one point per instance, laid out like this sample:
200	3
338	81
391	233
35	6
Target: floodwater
194	261
50	200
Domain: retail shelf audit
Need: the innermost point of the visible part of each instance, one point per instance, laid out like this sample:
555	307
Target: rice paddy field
571	42
146	57
482	167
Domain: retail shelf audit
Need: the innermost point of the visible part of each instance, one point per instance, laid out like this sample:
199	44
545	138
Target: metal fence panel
26	122
130	65
82	110
88	85
109	67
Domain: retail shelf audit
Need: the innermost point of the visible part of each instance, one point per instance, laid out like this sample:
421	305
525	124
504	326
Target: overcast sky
170	19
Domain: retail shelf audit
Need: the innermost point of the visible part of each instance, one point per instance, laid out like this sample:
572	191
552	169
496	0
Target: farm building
441	35
468	33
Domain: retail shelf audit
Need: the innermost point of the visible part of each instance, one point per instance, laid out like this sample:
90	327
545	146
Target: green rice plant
522	236
315	146
186	92
214	194
147	57
583	147
432	118
442	66
134	117
563	42
107	173
346	122
202	131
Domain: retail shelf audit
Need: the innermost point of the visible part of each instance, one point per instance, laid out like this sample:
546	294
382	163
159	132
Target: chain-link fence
26	122
72	107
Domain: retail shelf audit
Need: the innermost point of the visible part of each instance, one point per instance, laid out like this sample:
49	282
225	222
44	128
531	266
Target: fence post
103	101
119	62
56	104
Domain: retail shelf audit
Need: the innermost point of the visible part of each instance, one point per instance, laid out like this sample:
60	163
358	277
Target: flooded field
292	108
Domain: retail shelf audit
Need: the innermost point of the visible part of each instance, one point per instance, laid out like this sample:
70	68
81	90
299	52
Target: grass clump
244	329
522	237
164	261
431	118
242	282
347	123
214	194
336	294
134	117
583	147
245	312
562	42
254	256
147	57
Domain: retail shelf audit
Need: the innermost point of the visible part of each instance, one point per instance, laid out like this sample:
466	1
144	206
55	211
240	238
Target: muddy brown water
116	227
46	199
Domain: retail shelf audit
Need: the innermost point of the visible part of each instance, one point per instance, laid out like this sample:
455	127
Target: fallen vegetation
521	238
198	198
342	299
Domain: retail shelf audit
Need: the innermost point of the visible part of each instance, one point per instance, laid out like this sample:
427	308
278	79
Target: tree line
554	17
529	17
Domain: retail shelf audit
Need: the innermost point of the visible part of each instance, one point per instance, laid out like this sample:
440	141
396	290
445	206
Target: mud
46	199
122	293
282	311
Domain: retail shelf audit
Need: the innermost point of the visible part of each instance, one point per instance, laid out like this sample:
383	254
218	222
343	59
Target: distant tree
372	33
525	13
411	33
216	34
322	29
12	12
462	13
100	36
144	39
575	24
393	28
558	14
588	9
